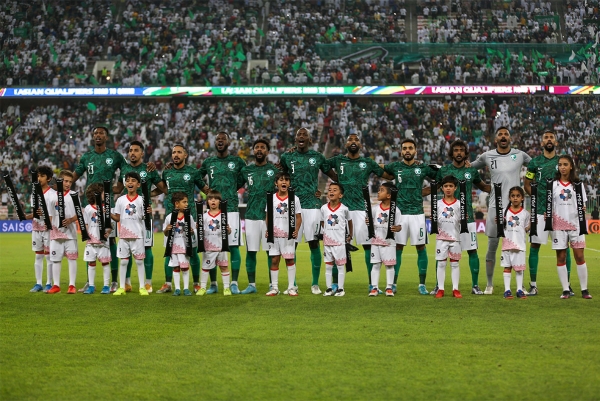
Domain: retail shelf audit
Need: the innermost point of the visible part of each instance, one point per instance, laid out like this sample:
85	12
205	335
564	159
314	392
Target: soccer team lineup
203	234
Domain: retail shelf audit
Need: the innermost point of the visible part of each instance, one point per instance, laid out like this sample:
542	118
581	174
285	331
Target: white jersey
281	218
131	212
564	206
38	224
91	216
179	241
212	232
516	229
69	232
335	222
504	169
448	220
380	223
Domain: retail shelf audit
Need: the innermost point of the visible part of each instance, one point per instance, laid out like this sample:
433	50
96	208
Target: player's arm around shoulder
480	162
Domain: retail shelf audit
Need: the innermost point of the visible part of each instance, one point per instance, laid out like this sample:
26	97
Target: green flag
129	132
507	65
162	80
239	48
151	56
549	64
197	68
177	56
93	80
508	54
6	62
53	51
240	56
207	82
296	66
133	22
260	32
521	57
34	60
117	65
476	60
229	45
142	68
81	77
144	50
488	64
91	106
187	75
236	76
237	65
191	14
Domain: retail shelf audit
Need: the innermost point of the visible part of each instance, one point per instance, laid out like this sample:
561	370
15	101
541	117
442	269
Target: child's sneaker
227	291
456	294
340	292
374	292
439	294
176	293
37	288
586	294
286	291
201	292
521	294
566	295
54	290
508	294
164	289
85	287
143	291
47	287
213	289
273	292
187	293
389	292
371	287
120	291
292	292
72	290
105	290
328	292
148	288
90	290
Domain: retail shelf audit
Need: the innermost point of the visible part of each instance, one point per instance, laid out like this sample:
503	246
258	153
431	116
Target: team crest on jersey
565	194
130	209
270	173
109	161
513	221
467	176
213	225
333	220
231	165
186	177
513	157
143	174
418	171
448	212
179	227
362	165
281	208
312	161
382	218
94	217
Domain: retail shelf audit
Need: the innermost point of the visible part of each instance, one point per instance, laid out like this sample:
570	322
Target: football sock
91	274
149	264
141	268
455	272
291	270
72	271
226	277
533	284
569	264
269	261
368	263
56	266
422	262
236	262
534	258
128	274
251	266
48	270
213	276
274	278
474	267
582	273
106	274
398	264
123	272
168	271
563	276
176	276
375	275
389	276
519	276
38	266
341	276
186	278
335	274
506	276
114	263
195	265
490	260
441	274
203	278
316	259
328	274
128	280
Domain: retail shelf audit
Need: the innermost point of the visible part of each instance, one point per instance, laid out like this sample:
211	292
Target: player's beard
179	164
260	158
459	159
353	149
408	157
549	147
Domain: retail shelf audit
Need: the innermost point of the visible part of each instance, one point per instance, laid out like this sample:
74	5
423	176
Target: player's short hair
263	141
104	127
449	179
134	175
503	127
356	134
389	186
224	133
338	185
45	171
214	194
137	143
66	173
282	174
92	190
457	144
548	131
301	129
178	197
573	176
179	145
408	140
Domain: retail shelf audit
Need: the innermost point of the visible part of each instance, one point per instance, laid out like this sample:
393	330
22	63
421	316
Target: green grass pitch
254	347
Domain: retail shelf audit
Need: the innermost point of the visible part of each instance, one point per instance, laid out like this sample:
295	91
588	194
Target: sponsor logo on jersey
565	194
333	220
109	161
130	209
448	212
282	208
143	174
231	165
513	157
467	176
382	218
312	161
213	225
270	173
418	171
513	221
94	217
179	227
362	165
186	177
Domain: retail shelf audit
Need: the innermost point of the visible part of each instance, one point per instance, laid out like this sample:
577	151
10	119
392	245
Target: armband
530	175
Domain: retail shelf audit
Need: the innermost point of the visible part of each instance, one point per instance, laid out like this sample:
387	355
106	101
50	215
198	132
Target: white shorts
311	225
128	247
179	260
97	252
149	237
514	259
212	259
542	237
40	241
468	241
335	255
255	235
383	254
562	239
60	248
413	227
235	238
359	227
447	249
284	247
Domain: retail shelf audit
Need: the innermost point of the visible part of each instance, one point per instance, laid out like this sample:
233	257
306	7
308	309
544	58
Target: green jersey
185	179
260	179
539	169
409	181
304	170
224	176
353	174
100	167
151	178
468	174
